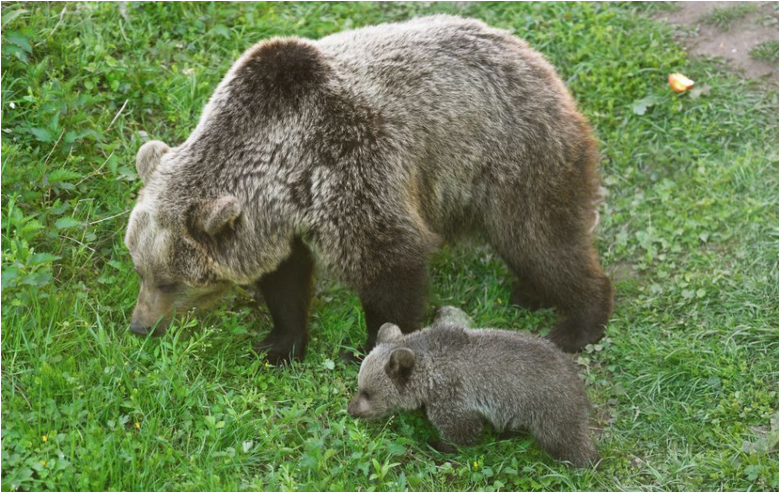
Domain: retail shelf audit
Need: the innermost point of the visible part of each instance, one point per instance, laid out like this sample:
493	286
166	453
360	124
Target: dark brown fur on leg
585	321
557	266
396	297
571	280
524	293
287	292
542	226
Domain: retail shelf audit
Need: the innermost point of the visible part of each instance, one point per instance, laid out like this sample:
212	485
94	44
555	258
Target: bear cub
467	377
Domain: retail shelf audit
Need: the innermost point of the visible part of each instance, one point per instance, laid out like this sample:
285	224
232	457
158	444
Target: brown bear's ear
215	215
389	332
401	364
148	158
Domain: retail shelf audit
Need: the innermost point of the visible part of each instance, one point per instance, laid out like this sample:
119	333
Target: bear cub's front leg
456	427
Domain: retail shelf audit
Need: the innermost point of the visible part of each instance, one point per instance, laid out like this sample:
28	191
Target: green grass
725	16
766	51
685	384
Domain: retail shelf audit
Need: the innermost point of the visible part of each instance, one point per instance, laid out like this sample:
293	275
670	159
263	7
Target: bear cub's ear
148	158
400	365
389	332
215	215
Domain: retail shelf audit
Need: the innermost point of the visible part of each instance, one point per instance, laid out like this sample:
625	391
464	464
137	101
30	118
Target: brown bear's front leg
287	292
397	296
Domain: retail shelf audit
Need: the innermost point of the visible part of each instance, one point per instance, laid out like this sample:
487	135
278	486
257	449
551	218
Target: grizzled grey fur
362	153
465	378
454	316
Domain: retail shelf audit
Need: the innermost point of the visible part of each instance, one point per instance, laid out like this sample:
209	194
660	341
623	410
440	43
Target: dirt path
744	33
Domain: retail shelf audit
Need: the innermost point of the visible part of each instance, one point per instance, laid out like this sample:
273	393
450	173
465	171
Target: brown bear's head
168	235
222	208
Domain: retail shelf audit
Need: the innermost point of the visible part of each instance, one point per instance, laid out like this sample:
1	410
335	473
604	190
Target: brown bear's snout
153	312
158	329
360	409
139	328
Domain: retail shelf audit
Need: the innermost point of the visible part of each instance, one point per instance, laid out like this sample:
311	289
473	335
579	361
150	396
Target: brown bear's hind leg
524	293
586	318
558	266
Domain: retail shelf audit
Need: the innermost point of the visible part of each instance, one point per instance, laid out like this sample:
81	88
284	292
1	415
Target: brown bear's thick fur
362	152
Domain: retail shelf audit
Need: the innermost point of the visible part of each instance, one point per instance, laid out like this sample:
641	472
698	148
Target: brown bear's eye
365	395
168	287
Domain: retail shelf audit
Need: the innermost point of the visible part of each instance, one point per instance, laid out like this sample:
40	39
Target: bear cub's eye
365	395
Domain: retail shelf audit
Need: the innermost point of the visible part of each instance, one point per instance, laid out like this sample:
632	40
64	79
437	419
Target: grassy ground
767	51
685	385
723	17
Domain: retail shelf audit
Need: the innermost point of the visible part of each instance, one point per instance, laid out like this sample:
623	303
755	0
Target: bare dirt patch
730	30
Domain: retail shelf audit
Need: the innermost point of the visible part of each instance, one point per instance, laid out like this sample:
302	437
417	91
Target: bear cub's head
165	239
387	377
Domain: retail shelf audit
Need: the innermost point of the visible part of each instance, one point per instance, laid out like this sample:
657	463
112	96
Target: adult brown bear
363	152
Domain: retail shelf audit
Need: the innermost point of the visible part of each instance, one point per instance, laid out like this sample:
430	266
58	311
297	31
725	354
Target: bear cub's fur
466	377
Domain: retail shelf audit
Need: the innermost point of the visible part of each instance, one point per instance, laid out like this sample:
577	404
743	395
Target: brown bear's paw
572	337
280	352
443	446
278	359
